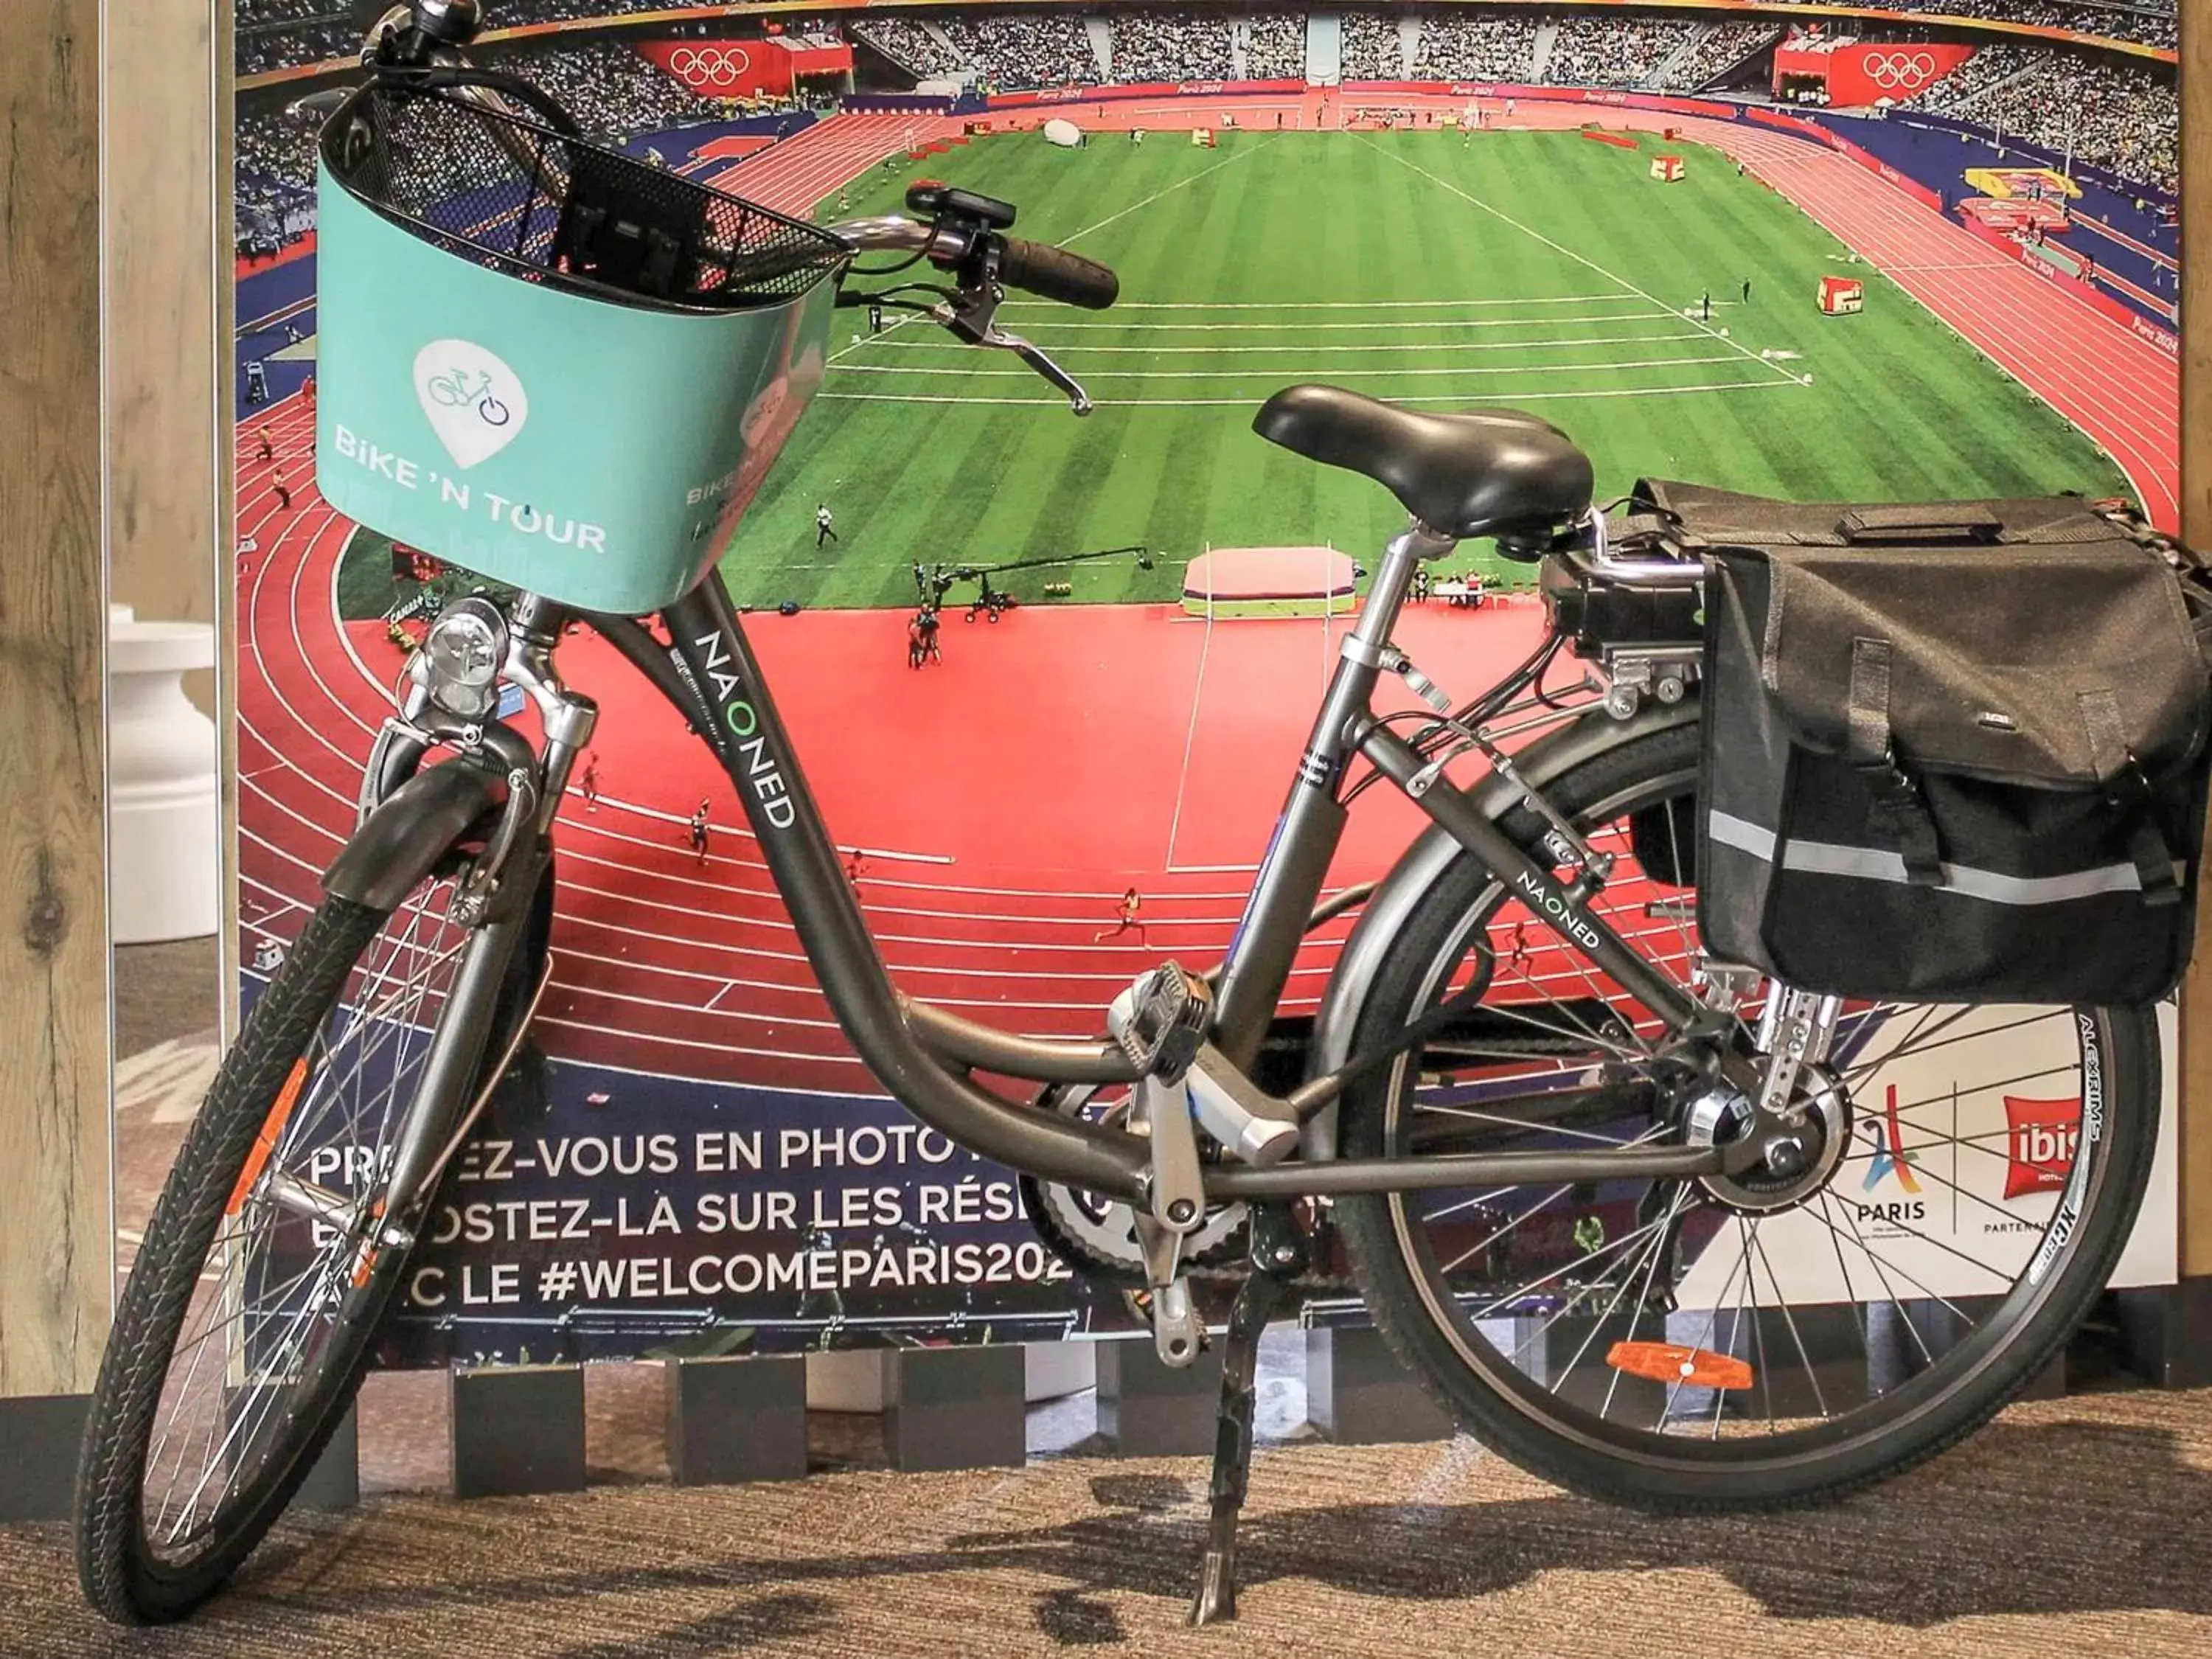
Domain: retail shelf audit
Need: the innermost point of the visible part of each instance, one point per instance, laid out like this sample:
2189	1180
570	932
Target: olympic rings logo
1900	71
710	66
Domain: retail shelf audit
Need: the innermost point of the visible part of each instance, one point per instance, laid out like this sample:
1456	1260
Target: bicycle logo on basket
474	402
456	391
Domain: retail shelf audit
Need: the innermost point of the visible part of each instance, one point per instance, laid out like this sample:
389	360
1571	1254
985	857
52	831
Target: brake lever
1078	400
971	316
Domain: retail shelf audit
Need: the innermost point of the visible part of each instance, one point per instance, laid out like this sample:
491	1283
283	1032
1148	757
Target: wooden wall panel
223	123
2196	1059
56	1248
161	275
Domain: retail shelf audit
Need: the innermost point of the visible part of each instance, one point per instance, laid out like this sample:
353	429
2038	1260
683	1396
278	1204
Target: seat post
1402	554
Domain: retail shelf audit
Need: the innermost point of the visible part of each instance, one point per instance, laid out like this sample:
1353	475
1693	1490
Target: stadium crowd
1372	50
1611	51
1722	48
610	89
907	42
276	14
1275	47
2153	25
272	190
2123	118
324	32
1456	48
1011	53
1171	45
1022	52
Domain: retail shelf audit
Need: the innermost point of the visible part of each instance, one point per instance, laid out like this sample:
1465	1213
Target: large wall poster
1081	784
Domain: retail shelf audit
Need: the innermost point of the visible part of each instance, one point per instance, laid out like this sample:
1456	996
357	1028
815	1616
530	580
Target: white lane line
1583	259
884	339
1190	738
1337	305
1424	348
1532	393
1367	373
1181	183
1426	324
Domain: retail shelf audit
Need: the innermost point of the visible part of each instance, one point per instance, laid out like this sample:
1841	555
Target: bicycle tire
122	1573
1509	1410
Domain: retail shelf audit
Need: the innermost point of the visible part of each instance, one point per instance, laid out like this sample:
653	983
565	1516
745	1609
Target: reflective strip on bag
1821	858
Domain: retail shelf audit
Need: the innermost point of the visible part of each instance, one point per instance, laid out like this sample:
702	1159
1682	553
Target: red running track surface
793	176
999	802
1008	795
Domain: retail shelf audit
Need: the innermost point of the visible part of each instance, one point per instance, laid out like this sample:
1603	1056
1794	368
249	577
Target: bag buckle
1901	815
2132	796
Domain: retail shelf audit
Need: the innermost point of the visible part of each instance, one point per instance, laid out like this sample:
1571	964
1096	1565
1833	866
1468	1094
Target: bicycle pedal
1162	1020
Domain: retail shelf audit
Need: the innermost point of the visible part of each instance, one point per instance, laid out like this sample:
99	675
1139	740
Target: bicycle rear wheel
257	1292
1709	1344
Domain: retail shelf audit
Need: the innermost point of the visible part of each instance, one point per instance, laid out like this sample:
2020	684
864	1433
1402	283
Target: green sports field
1538	270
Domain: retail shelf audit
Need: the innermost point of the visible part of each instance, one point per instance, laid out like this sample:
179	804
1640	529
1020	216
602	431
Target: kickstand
1278	1255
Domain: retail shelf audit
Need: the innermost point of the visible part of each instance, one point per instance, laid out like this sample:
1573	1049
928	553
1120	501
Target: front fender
1408	886
402	841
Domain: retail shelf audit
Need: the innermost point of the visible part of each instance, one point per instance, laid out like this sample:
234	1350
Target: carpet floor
2070	1527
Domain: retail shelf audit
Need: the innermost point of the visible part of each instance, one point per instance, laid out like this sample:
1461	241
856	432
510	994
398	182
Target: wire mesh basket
544	361
517	194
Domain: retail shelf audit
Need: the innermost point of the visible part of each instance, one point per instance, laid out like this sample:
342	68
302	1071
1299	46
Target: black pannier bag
1952	753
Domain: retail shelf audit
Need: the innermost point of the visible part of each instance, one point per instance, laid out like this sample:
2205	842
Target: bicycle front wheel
1973	1175
265	1271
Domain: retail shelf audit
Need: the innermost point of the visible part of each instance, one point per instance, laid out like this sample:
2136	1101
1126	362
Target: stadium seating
2119	115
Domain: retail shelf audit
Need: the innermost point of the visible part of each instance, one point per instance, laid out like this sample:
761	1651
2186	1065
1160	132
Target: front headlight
461	658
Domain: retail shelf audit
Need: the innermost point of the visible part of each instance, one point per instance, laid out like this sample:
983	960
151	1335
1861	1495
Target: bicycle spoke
1789	1320
1650	1274
276	1282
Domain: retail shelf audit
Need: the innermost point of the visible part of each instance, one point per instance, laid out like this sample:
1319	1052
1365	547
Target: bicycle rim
1979	1181
293	1281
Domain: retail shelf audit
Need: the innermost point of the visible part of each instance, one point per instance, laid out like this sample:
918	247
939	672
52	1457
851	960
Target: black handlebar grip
1056	274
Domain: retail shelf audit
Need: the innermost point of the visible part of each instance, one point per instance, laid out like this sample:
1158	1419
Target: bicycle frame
922	1055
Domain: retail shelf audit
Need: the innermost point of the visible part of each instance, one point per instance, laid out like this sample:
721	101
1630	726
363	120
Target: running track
664	968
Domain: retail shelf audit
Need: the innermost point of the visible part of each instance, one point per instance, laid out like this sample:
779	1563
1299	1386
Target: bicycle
455	390
1521	1016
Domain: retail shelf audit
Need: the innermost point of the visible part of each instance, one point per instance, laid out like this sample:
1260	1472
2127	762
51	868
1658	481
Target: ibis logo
2042	1137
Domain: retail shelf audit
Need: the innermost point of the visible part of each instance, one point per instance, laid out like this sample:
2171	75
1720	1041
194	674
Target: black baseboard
1147	1408
957	1408
39	1437
2166	1333
516	1430
737	1419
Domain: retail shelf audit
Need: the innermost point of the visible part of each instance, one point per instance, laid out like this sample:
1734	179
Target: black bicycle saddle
1478	474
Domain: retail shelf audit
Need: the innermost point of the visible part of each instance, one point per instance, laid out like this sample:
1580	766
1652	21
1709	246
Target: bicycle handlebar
1053	273
1050	272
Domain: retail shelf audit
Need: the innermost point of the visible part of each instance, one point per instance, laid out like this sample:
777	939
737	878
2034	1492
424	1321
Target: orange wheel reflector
1670	1362
265	1143
365	1263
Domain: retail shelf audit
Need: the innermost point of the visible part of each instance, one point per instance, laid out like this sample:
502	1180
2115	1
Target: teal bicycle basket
546	362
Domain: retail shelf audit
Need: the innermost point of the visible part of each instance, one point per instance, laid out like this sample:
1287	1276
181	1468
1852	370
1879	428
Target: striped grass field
1538	270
